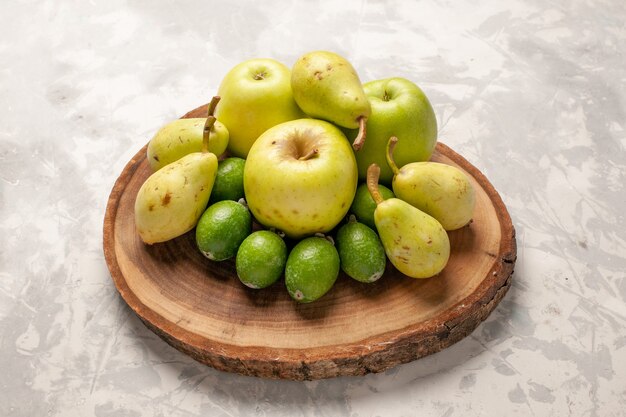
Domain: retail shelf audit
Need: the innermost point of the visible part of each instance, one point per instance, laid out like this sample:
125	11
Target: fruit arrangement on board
269	178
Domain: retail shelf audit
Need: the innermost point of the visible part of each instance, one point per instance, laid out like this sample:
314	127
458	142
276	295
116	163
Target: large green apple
300	177
255	95
399	108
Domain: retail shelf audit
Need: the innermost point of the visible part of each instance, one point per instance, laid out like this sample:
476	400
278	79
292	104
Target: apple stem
210	121
391	145
313	152
373	173
213	105
360	137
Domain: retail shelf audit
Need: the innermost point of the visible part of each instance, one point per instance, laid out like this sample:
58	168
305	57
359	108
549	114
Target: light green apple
300	177
399	108
255	95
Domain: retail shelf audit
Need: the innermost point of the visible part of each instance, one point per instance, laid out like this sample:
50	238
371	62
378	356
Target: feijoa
222	228
229	180
261	259
361	252
312	269
363	205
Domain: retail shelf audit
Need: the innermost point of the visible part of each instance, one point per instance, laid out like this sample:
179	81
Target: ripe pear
415	243
326	86
441	190
183	136
171	200
399	108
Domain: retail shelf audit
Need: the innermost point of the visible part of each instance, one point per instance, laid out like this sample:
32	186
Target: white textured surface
533	93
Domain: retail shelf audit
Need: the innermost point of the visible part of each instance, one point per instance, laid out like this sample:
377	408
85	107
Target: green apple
300	177
255	95
399	108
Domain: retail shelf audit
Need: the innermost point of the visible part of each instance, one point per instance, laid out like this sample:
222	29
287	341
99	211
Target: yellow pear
443	191
415	243
183	136
171	200
326	86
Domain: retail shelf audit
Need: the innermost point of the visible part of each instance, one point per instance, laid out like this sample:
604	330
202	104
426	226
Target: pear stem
373	173
210	121
391	145
213	105
359	141
313	152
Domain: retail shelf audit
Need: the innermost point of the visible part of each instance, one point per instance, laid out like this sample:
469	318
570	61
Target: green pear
183	136
326	86
256	95
399	108
441	190
171	200
300	177
415	243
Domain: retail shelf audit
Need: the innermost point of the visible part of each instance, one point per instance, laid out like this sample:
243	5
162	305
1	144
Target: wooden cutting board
199	306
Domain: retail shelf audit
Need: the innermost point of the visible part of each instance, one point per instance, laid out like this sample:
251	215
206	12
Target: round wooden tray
200	307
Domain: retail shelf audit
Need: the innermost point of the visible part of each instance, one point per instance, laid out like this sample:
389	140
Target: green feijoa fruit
222	228
363	205
361	252
229	180
312	269
261	259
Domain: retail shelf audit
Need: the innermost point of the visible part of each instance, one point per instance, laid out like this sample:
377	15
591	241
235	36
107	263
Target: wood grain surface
200	307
